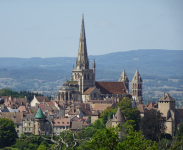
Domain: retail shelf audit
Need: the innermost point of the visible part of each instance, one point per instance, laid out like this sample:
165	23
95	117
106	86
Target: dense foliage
152	125
21	94
130	113
8	133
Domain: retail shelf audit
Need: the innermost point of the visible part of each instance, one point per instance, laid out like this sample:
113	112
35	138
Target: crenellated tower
123	78
137	87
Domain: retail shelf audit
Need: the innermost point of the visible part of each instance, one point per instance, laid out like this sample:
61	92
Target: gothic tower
82	73
123	78
137	87
82	61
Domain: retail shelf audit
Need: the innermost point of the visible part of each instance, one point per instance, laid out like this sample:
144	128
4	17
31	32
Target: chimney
163	95
148	103
10	97
15	100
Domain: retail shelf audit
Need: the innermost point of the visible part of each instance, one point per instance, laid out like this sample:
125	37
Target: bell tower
137	87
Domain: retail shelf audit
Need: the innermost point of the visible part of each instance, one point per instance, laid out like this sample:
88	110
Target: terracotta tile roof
86	109
101	107
41	106
15	117
42	98
74	112
180	112
50	103
141	108
111	87
62	122
33	109
109	101
79	120
88	91
152	104
22	108
85	124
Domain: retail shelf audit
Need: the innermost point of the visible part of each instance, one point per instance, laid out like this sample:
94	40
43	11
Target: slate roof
39	114
166	97
111	87
76	125
88	91
86	109
28	116
15	117
118	117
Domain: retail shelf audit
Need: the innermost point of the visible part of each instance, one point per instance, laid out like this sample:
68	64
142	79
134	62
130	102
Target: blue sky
48	28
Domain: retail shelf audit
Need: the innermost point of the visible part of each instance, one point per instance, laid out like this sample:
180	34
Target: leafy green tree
104	140
42	147
135	140
130	113
179	133
8	133
152	125
98	124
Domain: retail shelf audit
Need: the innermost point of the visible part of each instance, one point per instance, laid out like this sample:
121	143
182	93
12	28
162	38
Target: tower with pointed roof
82	73
166	105
39	121
123	78
137	87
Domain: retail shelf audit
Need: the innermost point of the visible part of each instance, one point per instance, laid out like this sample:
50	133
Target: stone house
28	124
16	118
61	125
38	100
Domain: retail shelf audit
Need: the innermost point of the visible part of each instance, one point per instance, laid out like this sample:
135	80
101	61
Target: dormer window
62	122
58	122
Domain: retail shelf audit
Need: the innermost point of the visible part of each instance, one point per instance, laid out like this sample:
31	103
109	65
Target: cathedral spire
82	60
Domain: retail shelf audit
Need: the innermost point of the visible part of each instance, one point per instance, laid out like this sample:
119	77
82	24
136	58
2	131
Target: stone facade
137	87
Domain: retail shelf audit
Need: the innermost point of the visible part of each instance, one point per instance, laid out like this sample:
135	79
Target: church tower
123	78
82	73
137	87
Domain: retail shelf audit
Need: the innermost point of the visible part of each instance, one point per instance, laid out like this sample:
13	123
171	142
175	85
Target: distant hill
150	62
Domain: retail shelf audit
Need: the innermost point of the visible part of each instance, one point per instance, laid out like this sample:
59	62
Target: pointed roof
166	97
39	114
137	77
123	76
82	52
118	116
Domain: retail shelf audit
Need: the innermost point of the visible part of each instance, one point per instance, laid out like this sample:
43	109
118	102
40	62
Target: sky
51	28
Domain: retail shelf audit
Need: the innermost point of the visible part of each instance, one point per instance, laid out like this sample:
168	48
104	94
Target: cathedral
83	87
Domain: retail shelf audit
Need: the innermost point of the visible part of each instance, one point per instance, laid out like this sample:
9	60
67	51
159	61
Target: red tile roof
152	104
22	108
85	124
111	87
50	103
62	122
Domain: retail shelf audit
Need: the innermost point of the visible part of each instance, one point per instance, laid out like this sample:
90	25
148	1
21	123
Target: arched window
85	76
133	85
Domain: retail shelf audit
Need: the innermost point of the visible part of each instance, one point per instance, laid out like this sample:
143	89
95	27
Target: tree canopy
152	125
130	113
8	133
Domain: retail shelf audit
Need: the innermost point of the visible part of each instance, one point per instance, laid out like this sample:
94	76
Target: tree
134	139
42	147
8	133
152	125
104	140
179	133
130	113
